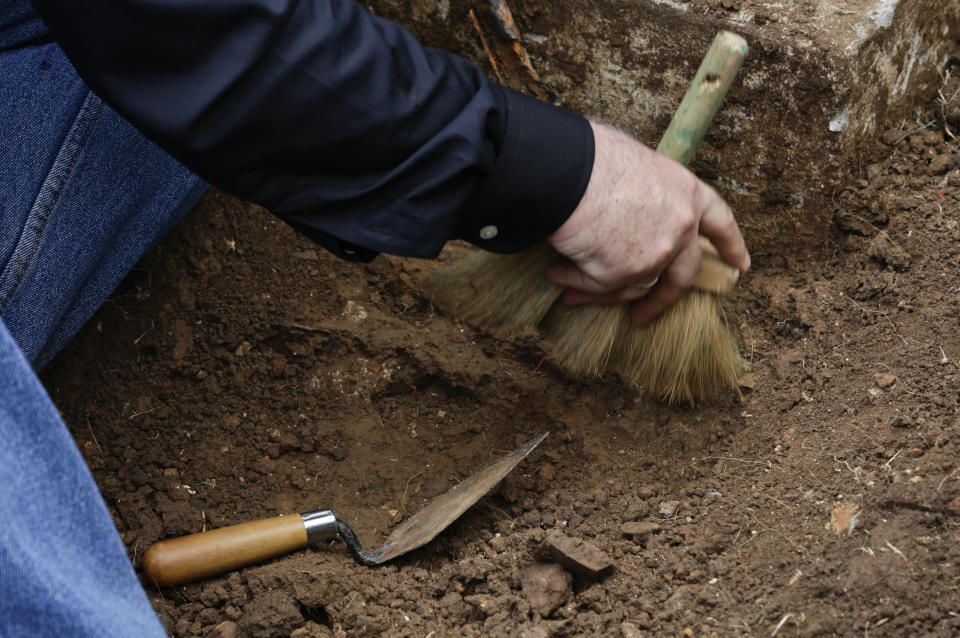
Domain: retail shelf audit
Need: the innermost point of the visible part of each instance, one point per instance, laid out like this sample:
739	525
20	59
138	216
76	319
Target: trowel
197	556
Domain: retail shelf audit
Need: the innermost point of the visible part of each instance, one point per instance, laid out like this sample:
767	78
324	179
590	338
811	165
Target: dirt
240	372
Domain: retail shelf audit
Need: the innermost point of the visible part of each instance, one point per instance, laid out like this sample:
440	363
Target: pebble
226	629
482	603
884	379
891	136
580	557
639	528
668	509
747	382
940	164
546	587
277	366
908	203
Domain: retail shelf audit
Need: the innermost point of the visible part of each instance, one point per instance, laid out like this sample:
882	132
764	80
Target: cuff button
489	232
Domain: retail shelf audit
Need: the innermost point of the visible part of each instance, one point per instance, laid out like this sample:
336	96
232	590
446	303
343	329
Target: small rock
940	164
668	509
888	253
900	420
277	366
890	136
546	587
311	630
843	519
643	620
580	557
629	630
354	311
483	603
747	382
884	379
931	137
226	629
916	452
509	491
645	492
908	203
270	613
534	632
497	543
208	616
242	349
639	528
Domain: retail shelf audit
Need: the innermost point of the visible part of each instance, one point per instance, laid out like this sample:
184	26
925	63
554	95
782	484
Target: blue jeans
82	196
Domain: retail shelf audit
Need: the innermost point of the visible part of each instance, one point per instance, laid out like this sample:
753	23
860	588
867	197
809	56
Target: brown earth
241	373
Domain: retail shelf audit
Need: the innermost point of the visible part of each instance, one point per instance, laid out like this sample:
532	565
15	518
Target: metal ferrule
320	525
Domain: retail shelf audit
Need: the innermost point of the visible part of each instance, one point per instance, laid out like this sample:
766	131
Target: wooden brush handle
703	97
188	558
686	130
716	276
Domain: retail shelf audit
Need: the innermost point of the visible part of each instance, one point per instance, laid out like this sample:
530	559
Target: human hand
634	235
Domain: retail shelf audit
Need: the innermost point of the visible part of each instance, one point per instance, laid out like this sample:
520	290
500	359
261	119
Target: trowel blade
446	508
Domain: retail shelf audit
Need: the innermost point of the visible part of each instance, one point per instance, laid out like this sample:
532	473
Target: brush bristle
505	295
686	354
583	338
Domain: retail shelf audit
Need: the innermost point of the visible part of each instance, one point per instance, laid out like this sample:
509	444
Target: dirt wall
821	81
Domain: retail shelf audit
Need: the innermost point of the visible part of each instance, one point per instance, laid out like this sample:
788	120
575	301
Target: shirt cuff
539	178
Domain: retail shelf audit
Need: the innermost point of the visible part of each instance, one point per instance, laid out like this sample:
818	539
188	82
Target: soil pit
241	373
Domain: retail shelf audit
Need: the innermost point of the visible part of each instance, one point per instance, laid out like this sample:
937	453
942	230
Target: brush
686	353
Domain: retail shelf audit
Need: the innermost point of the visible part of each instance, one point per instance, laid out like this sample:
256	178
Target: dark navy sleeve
334	119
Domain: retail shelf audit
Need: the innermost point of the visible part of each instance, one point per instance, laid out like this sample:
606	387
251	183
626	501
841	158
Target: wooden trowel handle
188	558
700	103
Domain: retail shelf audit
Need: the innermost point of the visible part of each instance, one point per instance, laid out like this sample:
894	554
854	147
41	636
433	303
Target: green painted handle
703	98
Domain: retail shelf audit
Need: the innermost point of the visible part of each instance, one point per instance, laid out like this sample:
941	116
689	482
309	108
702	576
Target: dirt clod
546	587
